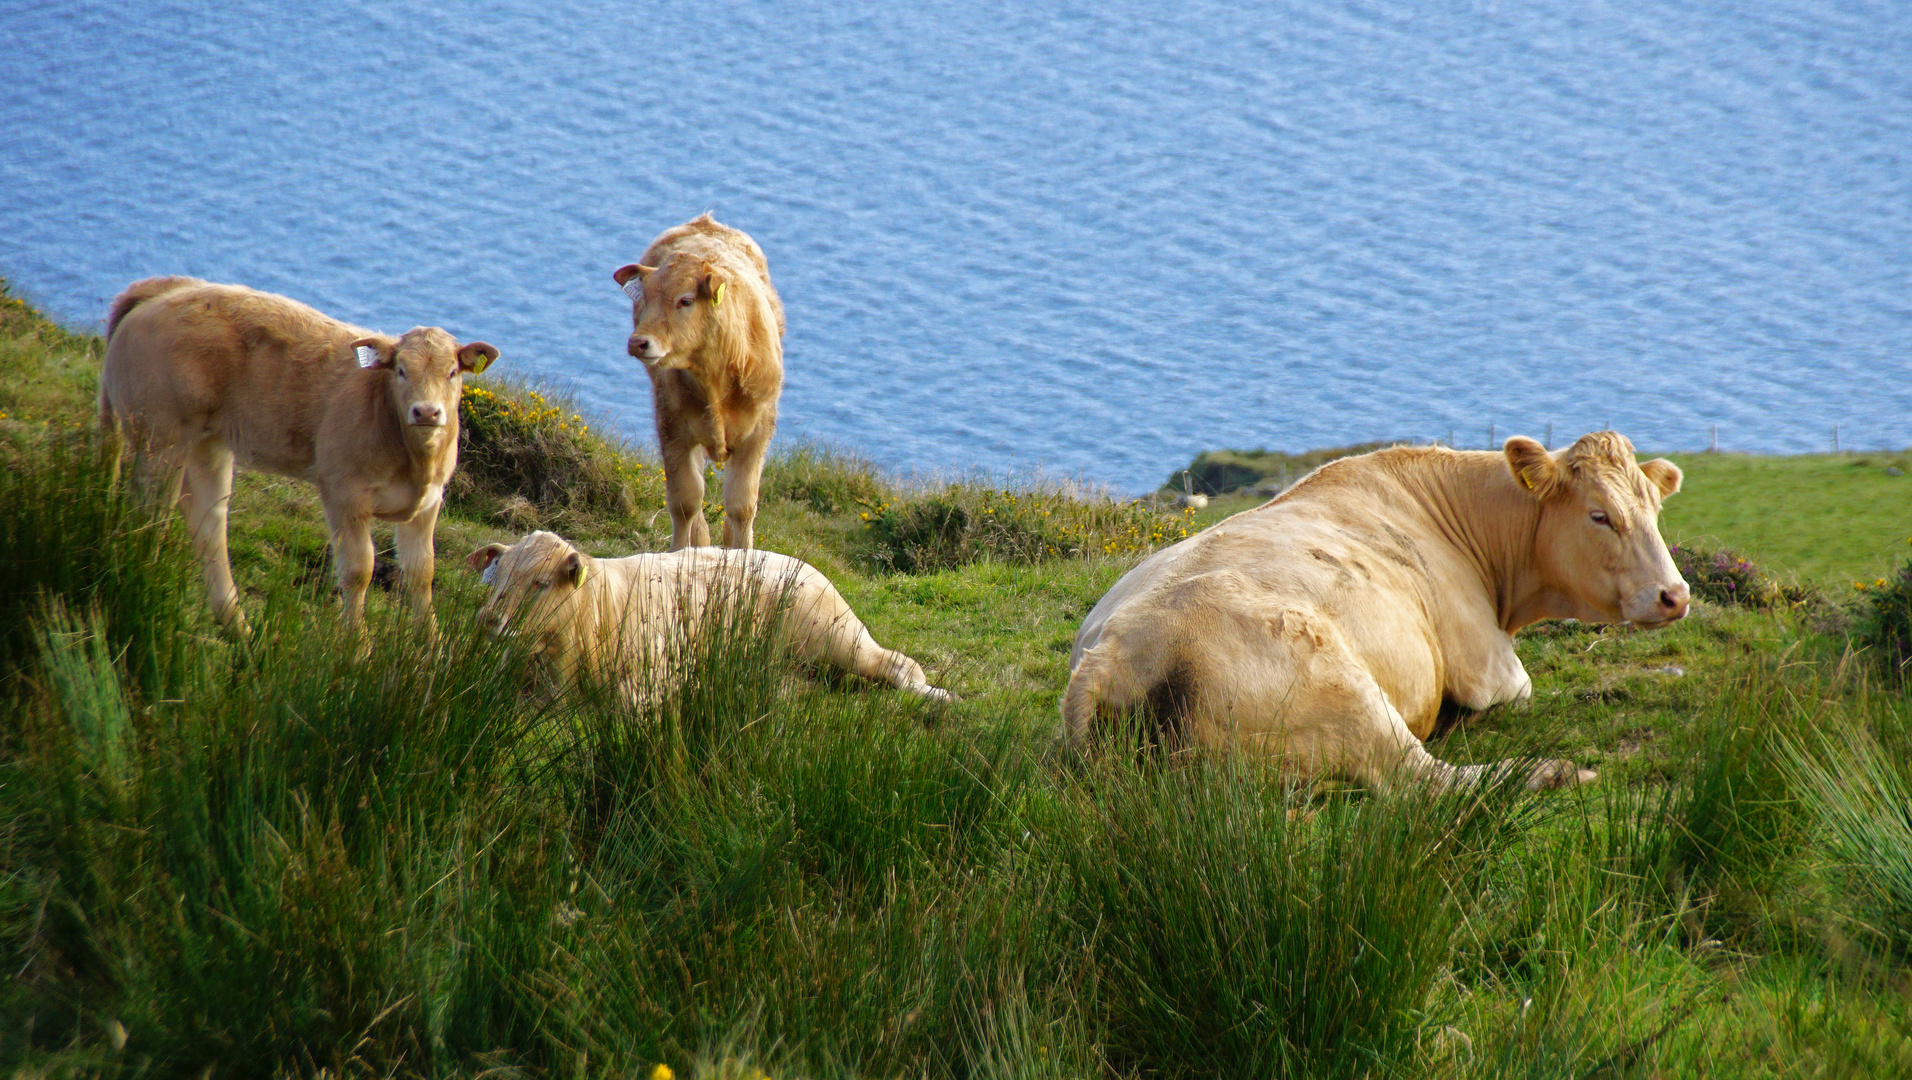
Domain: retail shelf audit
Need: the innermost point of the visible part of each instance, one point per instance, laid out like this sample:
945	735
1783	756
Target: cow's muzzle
646	348
1657	605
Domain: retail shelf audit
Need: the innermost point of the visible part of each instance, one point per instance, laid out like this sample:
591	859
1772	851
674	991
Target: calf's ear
476	357
1533	467
630	278
374	352
576	568
1665	475
479	561
712	286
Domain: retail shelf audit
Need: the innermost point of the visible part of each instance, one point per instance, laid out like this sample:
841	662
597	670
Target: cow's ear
1665	475
631	277
479	561
576	568
712	286
1533	467
372	352
476	357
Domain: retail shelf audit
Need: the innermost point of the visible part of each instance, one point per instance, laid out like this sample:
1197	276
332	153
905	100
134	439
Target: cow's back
252	368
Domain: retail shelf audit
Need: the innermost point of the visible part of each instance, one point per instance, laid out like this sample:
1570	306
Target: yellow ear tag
584	571
1525	480
716	294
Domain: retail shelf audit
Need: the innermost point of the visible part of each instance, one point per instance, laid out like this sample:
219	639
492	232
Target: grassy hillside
1831	519
301	856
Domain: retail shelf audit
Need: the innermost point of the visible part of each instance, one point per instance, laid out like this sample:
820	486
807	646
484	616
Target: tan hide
627	619
708	327
202	377
1329	626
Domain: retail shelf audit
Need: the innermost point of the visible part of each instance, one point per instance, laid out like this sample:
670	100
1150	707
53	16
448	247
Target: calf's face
532	583
670	308
427	369
1599	535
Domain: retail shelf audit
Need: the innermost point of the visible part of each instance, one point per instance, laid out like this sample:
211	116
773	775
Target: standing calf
201	376
709	329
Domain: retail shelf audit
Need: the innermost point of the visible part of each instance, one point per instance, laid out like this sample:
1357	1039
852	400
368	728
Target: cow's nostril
1670	601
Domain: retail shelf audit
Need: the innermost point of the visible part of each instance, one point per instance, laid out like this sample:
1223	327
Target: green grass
298	855
1830	519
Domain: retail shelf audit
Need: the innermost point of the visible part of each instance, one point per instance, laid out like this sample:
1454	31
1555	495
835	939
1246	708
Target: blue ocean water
1085	238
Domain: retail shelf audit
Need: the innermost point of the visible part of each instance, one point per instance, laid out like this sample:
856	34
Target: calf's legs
415	561
205	499
352	552
684	492
741	477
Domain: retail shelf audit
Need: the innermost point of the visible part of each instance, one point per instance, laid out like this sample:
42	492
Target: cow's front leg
352	552
741	478
416	562
684	492
1484	671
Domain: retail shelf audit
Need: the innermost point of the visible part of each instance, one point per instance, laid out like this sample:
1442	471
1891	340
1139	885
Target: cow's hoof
1549	775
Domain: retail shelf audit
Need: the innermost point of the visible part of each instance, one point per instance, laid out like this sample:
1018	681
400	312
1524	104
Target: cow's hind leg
1382	751
826	631
205	499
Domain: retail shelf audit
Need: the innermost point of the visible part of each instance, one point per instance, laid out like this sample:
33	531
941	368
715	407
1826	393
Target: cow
624	619
708	327
199	377
1328	626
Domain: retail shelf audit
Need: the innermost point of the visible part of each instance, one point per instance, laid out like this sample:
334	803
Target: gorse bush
965	523
1726	577
1882	623
519	443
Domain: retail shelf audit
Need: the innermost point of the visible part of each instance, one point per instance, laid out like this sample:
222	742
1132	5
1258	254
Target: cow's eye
1600	518
401	373
685	300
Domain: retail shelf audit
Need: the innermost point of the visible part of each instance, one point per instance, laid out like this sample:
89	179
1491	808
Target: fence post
1712	446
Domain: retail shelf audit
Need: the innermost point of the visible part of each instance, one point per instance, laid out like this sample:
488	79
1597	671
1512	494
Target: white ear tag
634	289
367	356
490	575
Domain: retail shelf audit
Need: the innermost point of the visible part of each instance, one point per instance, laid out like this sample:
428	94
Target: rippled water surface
1091	239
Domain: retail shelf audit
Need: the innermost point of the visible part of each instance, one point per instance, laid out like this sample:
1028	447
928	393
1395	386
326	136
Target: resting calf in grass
618	618
202	377
1328	626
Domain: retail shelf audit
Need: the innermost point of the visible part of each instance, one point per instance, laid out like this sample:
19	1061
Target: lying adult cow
1328	626
625	619
202	376
708	327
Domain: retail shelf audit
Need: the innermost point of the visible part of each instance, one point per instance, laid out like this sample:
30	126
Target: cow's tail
138	293
1112	682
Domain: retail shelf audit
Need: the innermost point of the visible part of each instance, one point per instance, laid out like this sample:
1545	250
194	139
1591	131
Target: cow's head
427	369
672	307
1599	536
533	583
